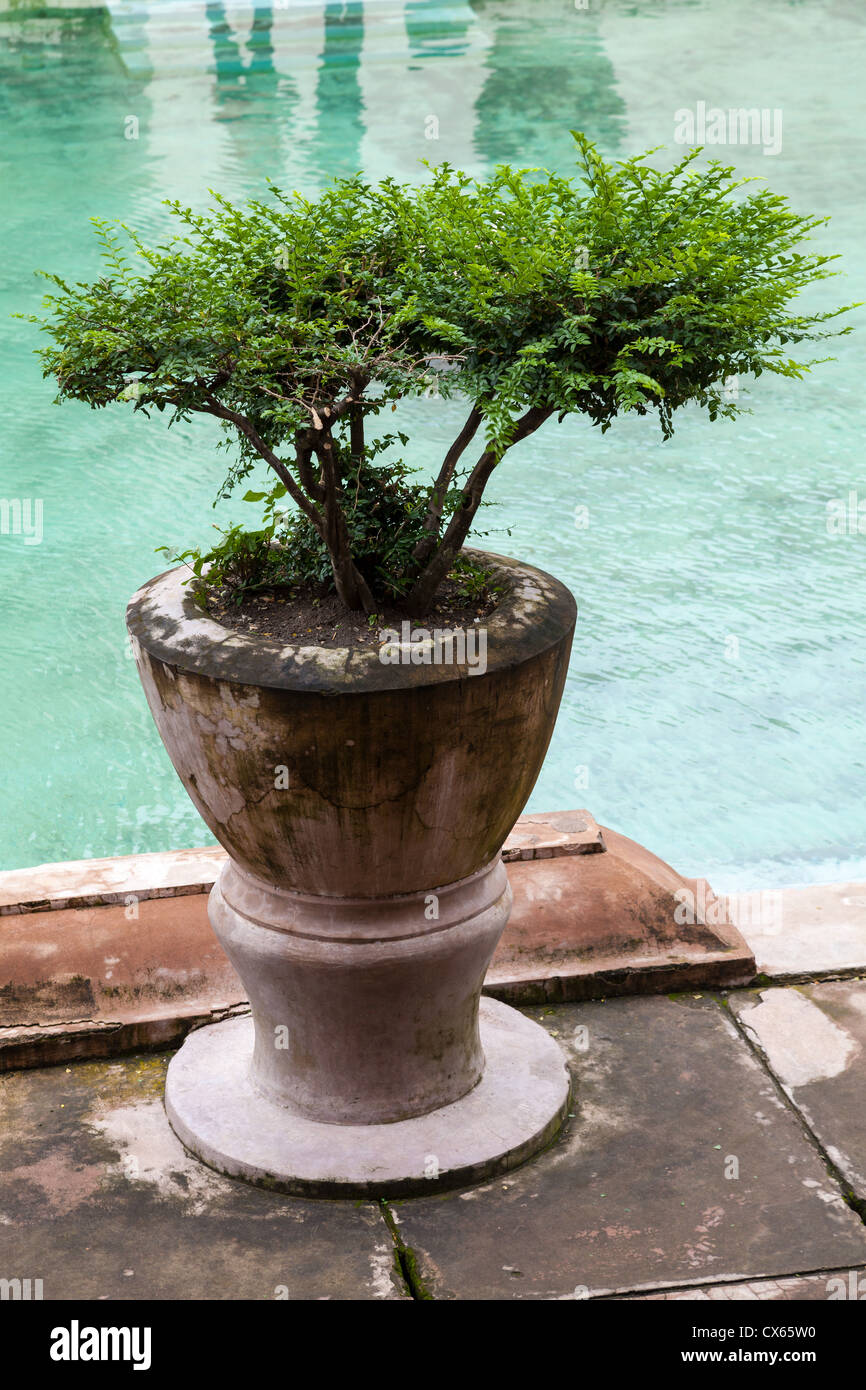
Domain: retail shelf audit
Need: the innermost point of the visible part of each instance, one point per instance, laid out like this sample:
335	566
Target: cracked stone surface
814	1040
100	1201
634	1196
812	1288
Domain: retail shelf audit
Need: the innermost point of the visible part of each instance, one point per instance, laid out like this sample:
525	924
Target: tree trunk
351	586
356	434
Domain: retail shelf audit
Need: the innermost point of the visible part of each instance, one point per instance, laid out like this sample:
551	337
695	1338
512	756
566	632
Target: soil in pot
307	613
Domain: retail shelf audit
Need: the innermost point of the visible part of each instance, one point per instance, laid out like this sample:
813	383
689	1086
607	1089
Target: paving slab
99	1200
830	1286
634	1196
553	834
814	1040
100	882
798	932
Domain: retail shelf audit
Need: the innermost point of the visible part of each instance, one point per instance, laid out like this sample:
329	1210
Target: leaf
625	288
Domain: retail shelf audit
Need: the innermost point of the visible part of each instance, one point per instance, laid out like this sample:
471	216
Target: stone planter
364	802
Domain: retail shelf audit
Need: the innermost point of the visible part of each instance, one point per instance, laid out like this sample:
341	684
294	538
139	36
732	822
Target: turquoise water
714	708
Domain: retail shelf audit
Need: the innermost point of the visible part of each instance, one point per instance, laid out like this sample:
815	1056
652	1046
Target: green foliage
632	289
623	289
472	580
384	514
242	562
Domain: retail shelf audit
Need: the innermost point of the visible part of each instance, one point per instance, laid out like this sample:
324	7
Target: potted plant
364	779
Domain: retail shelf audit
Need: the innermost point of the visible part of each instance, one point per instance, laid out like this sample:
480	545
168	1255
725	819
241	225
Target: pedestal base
515	1109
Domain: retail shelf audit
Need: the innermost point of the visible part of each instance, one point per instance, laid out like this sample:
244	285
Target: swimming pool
714	708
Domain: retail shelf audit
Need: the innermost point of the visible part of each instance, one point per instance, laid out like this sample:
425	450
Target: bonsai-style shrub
297	323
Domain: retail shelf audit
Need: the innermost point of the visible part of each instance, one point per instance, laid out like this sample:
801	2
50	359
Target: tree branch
421	595
351	585
246	428
356	433
303	454
435	506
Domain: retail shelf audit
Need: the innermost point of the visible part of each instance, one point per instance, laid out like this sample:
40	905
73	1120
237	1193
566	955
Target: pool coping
101	957
172	873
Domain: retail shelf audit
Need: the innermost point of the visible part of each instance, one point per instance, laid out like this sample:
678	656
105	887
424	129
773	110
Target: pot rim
534	613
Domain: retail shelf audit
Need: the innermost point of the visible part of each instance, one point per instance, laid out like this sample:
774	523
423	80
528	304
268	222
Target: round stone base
516	1109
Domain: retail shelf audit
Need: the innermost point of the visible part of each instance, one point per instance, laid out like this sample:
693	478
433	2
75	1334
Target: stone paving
715	1151
813	1039
810	1288
99	1200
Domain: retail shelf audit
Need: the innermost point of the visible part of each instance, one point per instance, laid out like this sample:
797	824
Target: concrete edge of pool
102	957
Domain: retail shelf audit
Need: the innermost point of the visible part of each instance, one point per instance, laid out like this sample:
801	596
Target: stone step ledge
173	873
106	956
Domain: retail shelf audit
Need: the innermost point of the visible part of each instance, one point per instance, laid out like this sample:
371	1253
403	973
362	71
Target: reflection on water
303	92
533	90
373	84
751	769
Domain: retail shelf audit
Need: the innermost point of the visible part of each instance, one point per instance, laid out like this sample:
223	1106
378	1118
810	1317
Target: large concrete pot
363	797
